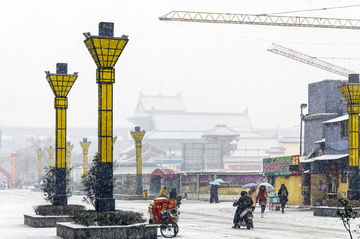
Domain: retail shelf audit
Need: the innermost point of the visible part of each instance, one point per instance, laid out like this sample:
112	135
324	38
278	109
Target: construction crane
261	19
313	61
273	20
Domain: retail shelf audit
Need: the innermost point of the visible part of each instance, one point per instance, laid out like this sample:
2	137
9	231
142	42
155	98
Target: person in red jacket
262	199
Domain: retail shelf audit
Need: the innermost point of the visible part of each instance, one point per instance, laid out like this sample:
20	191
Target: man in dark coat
283	195
173	194
243	203
214	194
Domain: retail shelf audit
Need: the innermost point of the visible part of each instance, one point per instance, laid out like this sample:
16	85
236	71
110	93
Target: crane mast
261	19
313	61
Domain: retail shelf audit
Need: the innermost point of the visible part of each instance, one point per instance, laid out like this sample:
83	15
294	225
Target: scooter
246	218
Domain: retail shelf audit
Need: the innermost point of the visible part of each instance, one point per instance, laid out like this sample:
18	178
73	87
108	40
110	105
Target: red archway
168	176
5	172
164	173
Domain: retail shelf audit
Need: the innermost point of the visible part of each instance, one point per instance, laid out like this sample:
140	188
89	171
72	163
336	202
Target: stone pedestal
44	221
136	231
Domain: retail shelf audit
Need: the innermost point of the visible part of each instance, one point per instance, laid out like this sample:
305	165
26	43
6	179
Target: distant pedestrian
217	194
163	192
262	194
283	195
173	194
213	194
252	194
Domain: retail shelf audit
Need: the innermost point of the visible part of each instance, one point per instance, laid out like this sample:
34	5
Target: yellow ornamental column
351	93
138	136
39	154
14	156
69	148
51	155
60	83
85	146
105	50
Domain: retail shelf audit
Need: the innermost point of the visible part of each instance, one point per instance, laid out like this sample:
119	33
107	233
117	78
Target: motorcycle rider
243	203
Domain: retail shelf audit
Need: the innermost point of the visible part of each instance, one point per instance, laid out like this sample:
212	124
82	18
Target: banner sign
280	165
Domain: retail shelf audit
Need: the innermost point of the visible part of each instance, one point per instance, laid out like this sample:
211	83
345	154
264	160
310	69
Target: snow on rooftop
330	157
161	103
220	130
338	119
198	121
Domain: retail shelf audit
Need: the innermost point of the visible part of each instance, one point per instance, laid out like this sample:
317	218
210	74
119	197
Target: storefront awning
165	173
330	157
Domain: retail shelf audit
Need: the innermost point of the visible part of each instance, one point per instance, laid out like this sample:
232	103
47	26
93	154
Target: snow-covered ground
198	219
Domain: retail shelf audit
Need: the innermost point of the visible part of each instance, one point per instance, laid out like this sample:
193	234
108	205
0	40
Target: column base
60	200
353	194
139	189
105	204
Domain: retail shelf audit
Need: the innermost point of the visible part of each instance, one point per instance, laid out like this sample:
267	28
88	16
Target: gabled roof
160	103
220	130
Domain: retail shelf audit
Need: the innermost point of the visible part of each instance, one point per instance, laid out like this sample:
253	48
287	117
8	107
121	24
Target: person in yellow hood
163	191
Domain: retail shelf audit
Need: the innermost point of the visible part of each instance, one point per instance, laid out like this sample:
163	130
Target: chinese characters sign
280	165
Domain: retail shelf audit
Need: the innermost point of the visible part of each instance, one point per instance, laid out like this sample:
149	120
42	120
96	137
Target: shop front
328	178
285	170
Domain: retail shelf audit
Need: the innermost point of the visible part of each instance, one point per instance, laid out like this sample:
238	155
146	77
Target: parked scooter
246	218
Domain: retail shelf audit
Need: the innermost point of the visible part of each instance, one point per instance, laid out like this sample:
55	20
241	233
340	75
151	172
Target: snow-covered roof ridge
220	130
153	103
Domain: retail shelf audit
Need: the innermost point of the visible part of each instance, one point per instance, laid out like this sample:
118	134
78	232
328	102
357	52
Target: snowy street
198	219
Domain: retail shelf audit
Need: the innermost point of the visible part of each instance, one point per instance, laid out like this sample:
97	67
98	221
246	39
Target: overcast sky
216	67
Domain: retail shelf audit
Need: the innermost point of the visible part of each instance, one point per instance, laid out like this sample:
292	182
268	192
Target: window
344	129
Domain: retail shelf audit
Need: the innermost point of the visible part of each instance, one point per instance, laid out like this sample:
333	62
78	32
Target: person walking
173	194
216	194
262	194
213	192
163	192
283	195
252	194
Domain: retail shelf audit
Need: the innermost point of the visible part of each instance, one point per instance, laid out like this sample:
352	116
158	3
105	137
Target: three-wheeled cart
274	202
164	212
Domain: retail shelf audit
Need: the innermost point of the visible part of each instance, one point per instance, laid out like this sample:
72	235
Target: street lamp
138	136
302	106
351	93
105	50
60	83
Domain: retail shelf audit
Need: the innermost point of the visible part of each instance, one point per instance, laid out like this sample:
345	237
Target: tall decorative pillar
138	136
39	154
14	156
51	156
85	146
105	50
69	148
351	93
60	83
